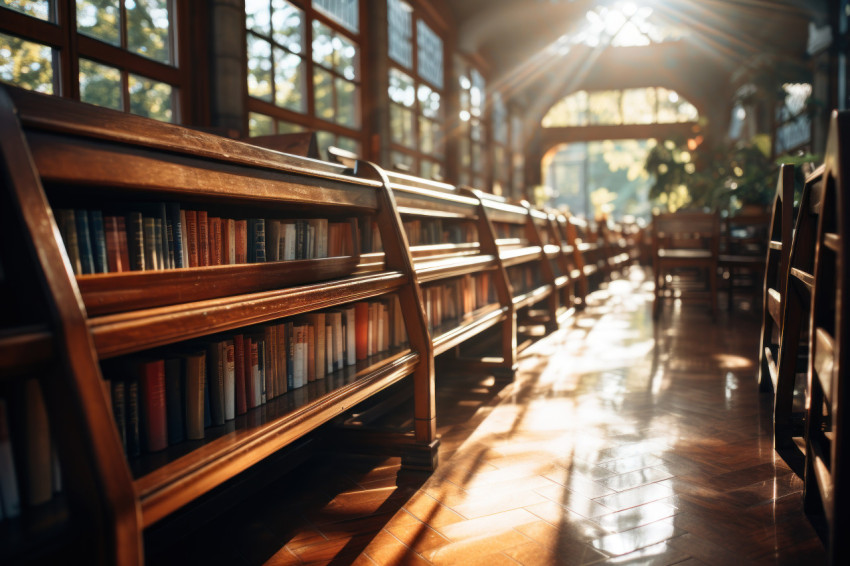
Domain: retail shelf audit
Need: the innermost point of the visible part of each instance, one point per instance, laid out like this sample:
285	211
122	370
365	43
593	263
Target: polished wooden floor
621	441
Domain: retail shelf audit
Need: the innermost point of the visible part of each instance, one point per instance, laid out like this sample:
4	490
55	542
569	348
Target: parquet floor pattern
621	441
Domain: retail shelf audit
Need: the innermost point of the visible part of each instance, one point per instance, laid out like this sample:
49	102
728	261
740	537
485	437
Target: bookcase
83	335
524	260
457	263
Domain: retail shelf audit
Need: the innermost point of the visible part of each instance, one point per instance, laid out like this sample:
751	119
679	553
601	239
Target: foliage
720	178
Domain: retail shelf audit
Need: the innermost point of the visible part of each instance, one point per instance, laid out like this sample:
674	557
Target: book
215	379
289	329
133	417
10	496
317	320
117	254
185	238
68	229
361	330
350	336
257	243
229	364
192	237
228	241
241	252
281	352
299	356
261	370
175	405
273	240
256	372
84	240
270	360
239	374
159	243
98	241
203	239
195	374
215	240
166	249
149	242
175	234
155	417
311	351
118	393
249	364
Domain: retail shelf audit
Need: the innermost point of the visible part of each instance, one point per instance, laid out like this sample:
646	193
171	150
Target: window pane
289	81
149	29
151	98
344	12
499	119
348	144
288	127
476	92
429	102
257	16
323	95
430	54
604	107
259	68
100	19
323	48
260	124
639	106
288	25
346	96
400	32
323	141
100	84
346	57
401	88
401	161
26	64
401	125
41	9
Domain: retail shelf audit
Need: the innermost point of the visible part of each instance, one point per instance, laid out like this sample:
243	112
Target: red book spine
361	327
153	398
113	244
192	236
215	241
226	242
239	370
203	239
241	241
249	374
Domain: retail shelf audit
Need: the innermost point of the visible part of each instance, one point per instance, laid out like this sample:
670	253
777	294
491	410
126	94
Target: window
613	107
304	70
501	164
121	54
415	93
473	135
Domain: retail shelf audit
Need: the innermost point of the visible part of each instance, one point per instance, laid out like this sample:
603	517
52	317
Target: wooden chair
794	340
743	249
776	277
826	460
684	243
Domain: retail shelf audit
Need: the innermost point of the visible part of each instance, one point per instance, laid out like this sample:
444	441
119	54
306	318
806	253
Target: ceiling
520	41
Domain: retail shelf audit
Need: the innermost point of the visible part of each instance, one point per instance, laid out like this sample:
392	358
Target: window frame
69	46
308	120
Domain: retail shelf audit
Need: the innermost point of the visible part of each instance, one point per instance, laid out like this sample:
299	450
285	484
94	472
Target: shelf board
533	296
180	475
517	256
807	279
107	293
25	349
433	270
135	331
450	335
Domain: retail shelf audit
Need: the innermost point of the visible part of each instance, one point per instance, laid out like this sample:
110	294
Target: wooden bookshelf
460	270
57	153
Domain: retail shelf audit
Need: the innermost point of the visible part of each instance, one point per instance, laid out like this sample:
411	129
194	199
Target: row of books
457	298
29	468
163	400
438	231
504	230
524	278
166	236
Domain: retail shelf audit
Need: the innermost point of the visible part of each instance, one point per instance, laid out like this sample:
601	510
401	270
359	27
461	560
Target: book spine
289	230
68	229
149	242
272	240
290	356
215	377
311	351
119	409
269	360
229	239
134	444
350	337
281	355
203	239
195	373
256	393
361	325
167	247
250	352
298	353
261	371
229	381
84	240
241	241
113	245
175	222
239	374
258	239
215	240
152	383
192	237
159	243
98	240
174	402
